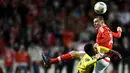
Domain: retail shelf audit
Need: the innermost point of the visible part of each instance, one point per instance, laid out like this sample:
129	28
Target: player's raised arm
115	54
109	52
118	33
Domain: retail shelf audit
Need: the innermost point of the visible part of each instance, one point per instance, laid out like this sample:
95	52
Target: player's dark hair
100	18
88	48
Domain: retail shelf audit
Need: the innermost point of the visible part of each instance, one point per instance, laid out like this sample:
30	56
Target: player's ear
102	21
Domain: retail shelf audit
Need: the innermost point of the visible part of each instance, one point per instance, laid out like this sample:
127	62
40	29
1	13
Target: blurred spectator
9	59
35	51
63	13
87	34
33	10
2	44
126	43
70	64
14	33
68	37
113	15
22	59
81	45
126	54
2	51
49	39
124	17
22	10
58	50
47	51
58	67
56	28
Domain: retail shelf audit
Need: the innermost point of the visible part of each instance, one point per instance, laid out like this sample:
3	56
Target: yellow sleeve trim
103	49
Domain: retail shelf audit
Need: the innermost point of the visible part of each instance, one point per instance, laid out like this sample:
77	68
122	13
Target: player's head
98	21
88	48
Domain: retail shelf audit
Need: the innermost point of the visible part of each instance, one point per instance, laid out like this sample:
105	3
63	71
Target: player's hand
119	29
102	57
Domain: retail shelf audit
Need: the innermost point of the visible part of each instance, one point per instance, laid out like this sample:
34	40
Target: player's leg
65	57
56	60
62	58
102	65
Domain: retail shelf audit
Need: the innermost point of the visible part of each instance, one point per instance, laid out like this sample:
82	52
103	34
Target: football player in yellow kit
88	62
88	58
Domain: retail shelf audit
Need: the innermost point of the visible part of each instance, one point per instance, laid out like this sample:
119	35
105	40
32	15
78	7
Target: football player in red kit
105	35
104	38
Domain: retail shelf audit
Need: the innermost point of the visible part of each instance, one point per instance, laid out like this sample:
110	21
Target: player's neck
103	24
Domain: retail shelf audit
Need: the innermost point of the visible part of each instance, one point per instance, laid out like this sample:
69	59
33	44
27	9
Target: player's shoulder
104	28
101	29
86	56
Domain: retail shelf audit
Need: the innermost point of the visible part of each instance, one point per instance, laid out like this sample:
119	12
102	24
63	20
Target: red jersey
105	37
22	56
9	57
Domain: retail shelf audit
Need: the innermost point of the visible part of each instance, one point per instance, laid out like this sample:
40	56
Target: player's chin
96	27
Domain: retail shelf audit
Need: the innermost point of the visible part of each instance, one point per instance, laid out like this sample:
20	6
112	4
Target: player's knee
74	54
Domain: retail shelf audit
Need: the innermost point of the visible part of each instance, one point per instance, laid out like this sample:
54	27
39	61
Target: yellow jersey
87	64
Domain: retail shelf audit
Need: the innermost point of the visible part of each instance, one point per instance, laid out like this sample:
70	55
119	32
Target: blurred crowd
55	27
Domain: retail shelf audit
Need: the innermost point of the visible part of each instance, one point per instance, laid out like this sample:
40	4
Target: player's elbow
119	35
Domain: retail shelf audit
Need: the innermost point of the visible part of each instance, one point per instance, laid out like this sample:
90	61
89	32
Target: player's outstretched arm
113	53
91	62
118	34
109	52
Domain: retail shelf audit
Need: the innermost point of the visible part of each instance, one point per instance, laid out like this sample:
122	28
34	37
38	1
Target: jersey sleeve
89	62
103	49
117	35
